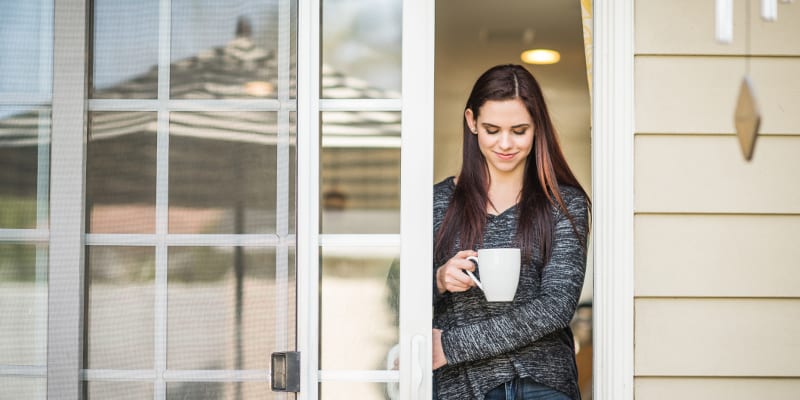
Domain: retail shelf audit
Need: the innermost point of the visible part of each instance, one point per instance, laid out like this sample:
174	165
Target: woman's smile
505	156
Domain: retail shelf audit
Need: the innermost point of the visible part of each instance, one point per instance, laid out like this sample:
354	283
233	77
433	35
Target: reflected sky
196	25
359	31
362	38
25	46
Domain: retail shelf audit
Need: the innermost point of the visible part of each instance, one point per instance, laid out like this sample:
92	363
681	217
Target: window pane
361	48
120	316
121	172
231	295
358	390
358	307
26	48
224	49
222	391
360	172
222	172
125	49
24	167
23	388
23	304
119	390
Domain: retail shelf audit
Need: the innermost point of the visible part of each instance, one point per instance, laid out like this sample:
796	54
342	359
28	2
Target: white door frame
416	199
308	147
613	207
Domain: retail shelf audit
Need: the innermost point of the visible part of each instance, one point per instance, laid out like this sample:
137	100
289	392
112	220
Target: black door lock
285	371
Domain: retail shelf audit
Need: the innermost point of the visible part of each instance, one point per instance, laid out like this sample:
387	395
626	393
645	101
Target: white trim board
612	183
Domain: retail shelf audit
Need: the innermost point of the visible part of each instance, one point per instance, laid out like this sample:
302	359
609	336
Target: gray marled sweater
487	344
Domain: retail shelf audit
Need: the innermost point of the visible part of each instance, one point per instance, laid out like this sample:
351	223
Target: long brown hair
545	170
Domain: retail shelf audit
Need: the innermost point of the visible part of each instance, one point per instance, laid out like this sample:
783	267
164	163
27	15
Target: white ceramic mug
499	270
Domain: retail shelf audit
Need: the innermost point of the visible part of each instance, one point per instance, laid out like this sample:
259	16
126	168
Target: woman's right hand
450	277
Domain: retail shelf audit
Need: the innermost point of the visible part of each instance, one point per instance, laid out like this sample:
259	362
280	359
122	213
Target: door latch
285	372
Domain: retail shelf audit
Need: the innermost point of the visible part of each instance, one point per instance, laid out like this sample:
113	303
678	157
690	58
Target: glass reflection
224	49
359	308
23	388
361	48
23	304
217	49
119	318
360	172
24	167
121	172
222	391
26	48
125	49
119	390
230	294
358	390
222	172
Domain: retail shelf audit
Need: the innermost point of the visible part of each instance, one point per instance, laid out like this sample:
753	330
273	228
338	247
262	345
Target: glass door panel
121	172
190	188
359	308
360	199
223	167
120	307
360	172
191	203
225	49
23	304
26	48
237	316
119	390
124	63
358	390
361	46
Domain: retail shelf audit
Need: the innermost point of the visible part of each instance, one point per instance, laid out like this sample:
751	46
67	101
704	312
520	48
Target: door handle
285	371
417	365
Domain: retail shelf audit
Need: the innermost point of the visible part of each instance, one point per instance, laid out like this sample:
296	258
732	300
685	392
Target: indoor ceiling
472	35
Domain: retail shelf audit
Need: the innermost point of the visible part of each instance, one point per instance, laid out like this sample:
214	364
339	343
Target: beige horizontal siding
717	276
717	337
716	388
683	27
687	27
717	255
698	94
707	174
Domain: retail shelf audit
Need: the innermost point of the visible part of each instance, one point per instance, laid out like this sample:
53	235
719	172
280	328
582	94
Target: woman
515	189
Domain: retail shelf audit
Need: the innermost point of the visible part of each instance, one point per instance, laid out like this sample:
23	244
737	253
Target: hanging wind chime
746	117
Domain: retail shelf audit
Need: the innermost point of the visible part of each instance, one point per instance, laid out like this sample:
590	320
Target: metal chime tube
724	15
769	10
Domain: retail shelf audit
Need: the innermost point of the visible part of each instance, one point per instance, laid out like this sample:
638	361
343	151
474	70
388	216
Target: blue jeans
524	389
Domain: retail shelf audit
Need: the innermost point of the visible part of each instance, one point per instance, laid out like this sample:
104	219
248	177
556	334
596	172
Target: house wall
717	283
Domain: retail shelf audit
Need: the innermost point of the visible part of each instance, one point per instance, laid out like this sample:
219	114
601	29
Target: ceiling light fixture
540	56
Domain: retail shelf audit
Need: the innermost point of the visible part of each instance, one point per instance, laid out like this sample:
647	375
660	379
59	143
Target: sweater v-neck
503	213
452	182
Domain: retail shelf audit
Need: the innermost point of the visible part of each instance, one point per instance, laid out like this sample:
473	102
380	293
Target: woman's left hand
438	353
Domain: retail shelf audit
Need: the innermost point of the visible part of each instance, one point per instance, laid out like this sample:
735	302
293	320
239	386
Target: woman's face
505	135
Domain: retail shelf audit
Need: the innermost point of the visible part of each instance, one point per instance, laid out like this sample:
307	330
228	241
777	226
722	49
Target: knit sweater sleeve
550	310
442	192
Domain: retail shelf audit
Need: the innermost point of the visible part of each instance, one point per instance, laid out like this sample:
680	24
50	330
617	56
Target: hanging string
747	40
